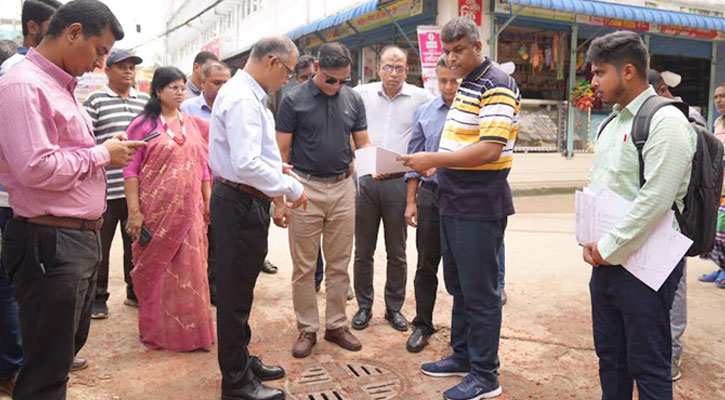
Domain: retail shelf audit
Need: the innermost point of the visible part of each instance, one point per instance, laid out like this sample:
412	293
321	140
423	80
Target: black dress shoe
362	318
266	372
254	390
269	268
397	320
417	341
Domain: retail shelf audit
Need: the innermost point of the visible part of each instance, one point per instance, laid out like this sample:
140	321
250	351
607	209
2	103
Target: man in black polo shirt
314	124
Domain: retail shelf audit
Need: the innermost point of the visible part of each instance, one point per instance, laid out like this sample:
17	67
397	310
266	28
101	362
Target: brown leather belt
324	179
245	188
64	222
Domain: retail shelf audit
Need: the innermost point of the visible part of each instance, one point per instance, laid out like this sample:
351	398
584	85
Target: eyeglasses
175	88
389	69
332	80
290	71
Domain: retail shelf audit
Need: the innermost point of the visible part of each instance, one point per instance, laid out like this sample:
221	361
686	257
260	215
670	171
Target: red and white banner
471	9
431	50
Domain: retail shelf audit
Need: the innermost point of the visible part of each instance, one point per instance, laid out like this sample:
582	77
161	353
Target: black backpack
698	220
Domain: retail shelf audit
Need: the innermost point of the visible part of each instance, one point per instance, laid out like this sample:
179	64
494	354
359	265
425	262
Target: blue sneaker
473	388
448	366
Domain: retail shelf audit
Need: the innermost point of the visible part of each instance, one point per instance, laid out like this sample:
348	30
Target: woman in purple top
167	190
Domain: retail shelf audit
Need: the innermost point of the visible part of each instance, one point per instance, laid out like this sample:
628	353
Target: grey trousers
678	314
376	200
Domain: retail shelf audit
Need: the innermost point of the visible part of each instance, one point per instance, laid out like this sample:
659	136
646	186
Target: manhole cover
349	380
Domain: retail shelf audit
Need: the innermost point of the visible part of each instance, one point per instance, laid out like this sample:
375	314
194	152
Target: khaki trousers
331	214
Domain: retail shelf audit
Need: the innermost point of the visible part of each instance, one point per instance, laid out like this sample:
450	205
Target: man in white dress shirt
246	162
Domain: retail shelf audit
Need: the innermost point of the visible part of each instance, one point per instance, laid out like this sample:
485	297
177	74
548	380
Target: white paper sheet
598	213
378	160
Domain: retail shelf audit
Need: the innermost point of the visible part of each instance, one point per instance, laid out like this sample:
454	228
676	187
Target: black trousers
428	243
210	268
54	273
116	213
240	223
632	337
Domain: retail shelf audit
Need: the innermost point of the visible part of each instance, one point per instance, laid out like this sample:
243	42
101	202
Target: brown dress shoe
8	387
343	338
304	344
79	363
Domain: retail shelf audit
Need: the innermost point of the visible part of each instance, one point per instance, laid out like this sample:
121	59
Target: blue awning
334	20
631	13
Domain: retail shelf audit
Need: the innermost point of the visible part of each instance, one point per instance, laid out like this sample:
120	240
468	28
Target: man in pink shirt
54	173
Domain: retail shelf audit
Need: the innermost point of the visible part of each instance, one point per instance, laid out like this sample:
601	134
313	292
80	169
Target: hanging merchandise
562	58
524	53
549	58
583	96
555	50
580	59
536	54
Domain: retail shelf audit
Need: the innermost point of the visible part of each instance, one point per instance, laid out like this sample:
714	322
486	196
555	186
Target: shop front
548	40
368	28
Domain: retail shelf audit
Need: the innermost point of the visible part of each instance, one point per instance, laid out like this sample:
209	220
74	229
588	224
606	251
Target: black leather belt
245	188
324	179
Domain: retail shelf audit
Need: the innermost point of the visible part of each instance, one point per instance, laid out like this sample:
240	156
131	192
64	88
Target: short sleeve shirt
321	126
485	109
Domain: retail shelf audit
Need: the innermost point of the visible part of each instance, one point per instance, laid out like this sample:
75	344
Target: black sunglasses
331	81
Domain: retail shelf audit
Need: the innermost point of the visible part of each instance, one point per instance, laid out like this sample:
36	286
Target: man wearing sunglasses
315	123
390	105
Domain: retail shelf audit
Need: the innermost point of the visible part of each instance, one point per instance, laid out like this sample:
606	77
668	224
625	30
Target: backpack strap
604	123
643	120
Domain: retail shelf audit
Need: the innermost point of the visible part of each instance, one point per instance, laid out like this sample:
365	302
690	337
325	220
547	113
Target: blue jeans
502	265
470	268
632	333
11	352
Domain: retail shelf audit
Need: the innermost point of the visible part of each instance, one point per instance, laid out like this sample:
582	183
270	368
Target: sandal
720	281
709	278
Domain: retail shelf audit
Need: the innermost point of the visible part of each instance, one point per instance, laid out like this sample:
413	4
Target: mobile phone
151	137
145	237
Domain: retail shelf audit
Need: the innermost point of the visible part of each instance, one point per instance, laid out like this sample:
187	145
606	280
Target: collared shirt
13	60
667	156
390	120
50	162
321	127
197	106
719	128
191	90
485	109
110	114
242	143
4	67
428	122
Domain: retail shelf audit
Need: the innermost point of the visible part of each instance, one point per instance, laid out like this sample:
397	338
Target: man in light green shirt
631	321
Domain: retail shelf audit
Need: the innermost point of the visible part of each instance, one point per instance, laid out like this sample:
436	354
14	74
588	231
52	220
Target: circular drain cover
346	380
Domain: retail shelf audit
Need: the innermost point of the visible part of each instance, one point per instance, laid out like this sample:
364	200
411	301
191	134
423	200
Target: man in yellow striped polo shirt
473	163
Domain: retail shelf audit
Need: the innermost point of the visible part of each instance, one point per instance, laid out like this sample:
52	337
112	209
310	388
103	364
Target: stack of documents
598	213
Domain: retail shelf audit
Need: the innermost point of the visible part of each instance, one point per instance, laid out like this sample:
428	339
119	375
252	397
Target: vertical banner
471	9
431	50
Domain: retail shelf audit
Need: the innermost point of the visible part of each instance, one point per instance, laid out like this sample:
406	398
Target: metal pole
711	91
647	45
494	38
572	82
402	32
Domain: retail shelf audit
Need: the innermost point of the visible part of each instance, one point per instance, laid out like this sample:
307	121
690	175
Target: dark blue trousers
632	333
11	352
470	268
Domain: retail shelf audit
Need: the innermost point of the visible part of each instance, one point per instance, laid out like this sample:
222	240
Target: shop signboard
615	23
471	9
688	32
431	50
213	47
89	83
399	10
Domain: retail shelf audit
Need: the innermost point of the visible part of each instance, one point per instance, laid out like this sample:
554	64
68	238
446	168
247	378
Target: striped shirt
111	115
485	109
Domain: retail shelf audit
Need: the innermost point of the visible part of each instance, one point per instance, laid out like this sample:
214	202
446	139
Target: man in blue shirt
421	211
215	75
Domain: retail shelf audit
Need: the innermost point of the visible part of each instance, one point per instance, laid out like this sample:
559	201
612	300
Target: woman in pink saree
167	190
